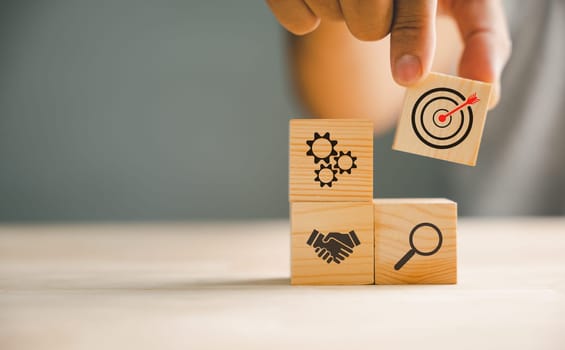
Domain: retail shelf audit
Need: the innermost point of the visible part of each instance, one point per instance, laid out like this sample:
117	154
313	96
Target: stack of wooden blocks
339	233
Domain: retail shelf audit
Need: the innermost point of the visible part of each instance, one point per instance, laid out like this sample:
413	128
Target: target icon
442	117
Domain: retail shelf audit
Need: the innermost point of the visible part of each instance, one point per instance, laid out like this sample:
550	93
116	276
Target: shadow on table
241	283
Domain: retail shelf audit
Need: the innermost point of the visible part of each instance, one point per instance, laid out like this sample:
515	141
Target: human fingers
294	15
368	20
326	9
412	41
486	41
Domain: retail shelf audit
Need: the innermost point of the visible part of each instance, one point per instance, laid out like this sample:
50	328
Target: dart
470	100
429	117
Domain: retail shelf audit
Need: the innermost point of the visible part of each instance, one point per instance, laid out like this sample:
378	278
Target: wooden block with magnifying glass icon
443	117
415	241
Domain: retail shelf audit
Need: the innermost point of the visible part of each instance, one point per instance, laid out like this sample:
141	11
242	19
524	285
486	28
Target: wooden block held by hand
443	117
415	241
332	243
331	160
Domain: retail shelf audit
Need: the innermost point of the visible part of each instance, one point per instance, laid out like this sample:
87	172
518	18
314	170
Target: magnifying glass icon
413	250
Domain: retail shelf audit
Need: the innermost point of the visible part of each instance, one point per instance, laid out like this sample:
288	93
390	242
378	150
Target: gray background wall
154	109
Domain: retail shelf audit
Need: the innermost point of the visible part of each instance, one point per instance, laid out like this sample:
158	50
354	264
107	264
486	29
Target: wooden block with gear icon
331	160
415	241
332	243
443	117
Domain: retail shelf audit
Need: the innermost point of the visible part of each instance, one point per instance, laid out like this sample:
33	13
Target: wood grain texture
355	136
394	219
457	138
218	285
326	217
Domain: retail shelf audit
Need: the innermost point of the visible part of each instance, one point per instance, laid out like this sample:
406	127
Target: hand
411	23
333	247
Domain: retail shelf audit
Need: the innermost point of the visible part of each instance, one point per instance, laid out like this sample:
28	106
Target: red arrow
470	100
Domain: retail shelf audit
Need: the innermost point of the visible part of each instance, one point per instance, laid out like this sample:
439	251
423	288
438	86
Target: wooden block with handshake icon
340	235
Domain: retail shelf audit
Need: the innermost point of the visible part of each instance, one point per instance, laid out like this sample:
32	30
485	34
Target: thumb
487	41
412	41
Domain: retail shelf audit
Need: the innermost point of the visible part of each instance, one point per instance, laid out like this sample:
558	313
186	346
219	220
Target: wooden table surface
226	285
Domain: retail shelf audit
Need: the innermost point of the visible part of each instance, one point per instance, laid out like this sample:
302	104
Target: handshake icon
333	247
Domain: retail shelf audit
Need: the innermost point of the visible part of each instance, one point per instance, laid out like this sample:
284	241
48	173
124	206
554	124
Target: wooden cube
332	243
331	160
415	241
443	117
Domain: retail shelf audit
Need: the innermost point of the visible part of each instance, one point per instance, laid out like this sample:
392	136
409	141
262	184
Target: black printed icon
333	247
325	175
414	250
442	117
322	149
345	162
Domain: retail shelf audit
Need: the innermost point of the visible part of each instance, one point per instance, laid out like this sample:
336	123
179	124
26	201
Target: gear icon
325	175
321	148
345	162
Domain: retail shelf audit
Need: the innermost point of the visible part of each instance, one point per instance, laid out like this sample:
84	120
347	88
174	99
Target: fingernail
407	69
